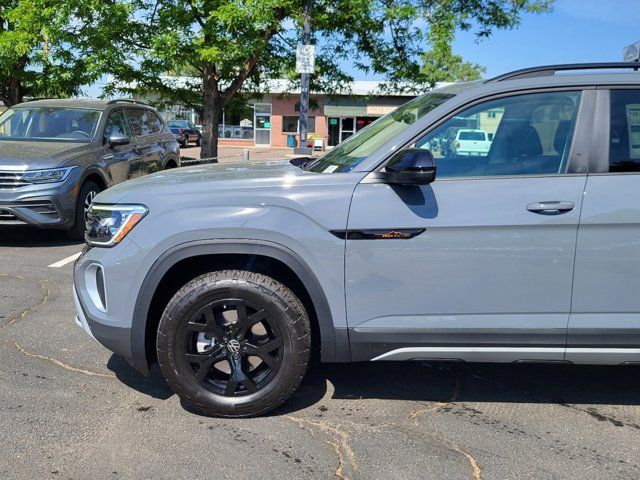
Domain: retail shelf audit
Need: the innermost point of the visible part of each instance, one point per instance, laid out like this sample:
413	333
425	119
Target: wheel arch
199	257
96	176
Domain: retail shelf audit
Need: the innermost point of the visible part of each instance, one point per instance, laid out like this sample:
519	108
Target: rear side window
624	137
142	122
157	124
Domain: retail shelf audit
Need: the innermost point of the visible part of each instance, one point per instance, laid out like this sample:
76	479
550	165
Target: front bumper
45	205
110	324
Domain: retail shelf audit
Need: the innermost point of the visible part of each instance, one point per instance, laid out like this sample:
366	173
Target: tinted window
156	122
469	135
531	135
624	145
116	123
141	121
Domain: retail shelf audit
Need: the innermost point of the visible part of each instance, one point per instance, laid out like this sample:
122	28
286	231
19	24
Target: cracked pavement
70	409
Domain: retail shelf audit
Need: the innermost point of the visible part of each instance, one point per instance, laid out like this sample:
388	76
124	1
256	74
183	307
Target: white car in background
471	143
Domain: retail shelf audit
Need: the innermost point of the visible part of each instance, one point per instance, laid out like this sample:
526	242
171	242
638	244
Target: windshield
352	151
49	124
178	123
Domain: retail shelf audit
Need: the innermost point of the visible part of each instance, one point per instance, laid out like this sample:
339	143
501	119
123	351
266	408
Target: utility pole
305	65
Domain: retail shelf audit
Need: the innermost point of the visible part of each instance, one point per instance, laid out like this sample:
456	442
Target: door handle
551	208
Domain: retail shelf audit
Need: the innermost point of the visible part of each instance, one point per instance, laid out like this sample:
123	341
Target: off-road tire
284	308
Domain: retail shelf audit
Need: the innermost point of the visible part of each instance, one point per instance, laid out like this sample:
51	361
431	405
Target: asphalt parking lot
70	409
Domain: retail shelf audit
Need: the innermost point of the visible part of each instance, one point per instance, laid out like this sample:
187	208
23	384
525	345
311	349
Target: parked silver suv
232	275
57	155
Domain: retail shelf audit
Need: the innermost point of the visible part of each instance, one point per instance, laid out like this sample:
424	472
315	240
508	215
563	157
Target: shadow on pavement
512	383
438	382
154	385
34	237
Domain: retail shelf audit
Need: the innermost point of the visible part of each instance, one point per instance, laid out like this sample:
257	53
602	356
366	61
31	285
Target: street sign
306	59
632	53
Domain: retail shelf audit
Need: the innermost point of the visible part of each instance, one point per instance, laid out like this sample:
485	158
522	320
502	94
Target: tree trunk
212	108
15	92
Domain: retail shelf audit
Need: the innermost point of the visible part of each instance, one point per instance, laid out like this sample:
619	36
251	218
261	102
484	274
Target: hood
36	155
217	177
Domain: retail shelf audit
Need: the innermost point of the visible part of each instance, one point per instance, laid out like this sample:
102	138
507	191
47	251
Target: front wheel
87	193
234	343
199	141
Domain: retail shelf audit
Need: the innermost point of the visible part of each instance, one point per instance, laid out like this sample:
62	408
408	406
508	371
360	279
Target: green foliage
230	47
233	46
40	52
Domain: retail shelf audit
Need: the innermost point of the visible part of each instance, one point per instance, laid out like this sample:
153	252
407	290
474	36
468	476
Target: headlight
107	225
46	176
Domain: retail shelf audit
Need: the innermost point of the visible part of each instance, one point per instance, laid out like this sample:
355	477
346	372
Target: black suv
57	155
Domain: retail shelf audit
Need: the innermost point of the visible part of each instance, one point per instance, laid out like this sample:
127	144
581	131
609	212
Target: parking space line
64	261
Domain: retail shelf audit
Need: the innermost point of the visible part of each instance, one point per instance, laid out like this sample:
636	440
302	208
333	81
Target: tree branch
197	15
252	61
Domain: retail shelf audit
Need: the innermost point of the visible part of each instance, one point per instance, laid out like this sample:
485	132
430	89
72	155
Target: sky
575	31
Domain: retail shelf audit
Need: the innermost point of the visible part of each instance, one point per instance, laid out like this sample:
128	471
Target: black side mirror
116	139
410	166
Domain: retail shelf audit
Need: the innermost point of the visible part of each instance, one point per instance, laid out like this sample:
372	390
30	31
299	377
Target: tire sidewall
79	223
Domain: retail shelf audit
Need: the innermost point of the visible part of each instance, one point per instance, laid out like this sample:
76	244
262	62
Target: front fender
334	341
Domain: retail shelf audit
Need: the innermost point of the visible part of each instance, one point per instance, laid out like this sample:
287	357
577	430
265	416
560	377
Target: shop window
291	124
237	123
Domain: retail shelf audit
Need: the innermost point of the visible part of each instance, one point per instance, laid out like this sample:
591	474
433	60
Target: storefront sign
380	109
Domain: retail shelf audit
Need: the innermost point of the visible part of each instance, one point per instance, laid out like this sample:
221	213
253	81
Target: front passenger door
479	264
122	161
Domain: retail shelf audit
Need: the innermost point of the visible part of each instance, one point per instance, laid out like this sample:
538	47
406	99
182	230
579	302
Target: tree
234	45
41	52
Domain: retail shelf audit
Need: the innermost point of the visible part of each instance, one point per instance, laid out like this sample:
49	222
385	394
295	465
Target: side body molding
335	343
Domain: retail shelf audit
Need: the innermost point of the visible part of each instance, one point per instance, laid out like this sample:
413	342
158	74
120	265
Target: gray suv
232	276
57	155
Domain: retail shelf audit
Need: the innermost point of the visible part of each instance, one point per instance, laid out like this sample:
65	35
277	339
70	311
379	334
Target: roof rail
35	99
127	100
548	70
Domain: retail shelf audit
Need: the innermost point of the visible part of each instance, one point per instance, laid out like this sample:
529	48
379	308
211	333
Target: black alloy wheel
232	347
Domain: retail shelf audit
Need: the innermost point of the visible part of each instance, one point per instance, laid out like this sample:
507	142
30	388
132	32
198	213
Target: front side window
49	124
116	124
624	137
521	135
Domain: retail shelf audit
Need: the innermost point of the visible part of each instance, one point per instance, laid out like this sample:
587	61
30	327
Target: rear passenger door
604	325
148	132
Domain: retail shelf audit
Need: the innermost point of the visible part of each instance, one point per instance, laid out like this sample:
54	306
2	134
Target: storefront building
272	120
